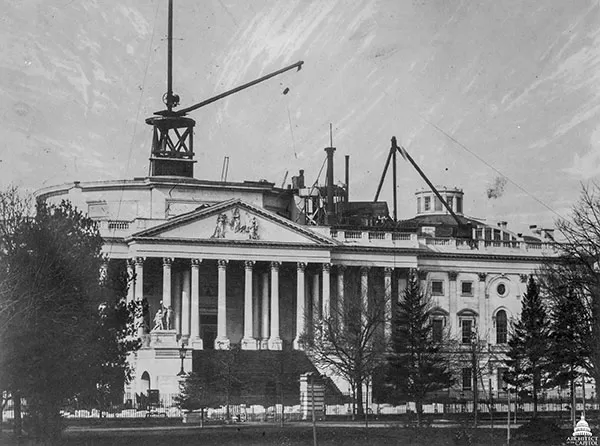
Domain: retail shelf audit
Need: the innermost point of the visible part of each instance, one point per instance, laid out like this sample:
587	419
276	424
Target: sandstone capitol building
253	264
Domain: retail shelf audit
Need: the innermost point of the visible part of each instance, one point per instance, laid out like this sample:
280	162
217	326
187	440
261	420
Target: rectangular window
427	203
467	379
459	202
437	330
438	204
450	201
418	205
437	287
466	288
501	382
467	330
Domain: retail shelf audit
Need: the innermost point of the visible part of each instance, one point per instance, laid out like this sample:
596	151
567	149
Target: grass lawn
287	436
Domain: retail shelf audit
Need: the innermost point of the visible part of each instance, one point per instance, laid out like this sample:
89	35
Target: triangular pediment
234	220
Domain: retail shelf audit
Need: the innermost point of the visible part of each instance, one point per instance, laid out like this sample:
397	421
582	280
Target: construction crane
172	143
463	228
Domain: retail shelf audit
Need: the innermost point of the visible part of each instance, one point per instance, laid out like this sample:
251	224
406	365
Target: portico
219	288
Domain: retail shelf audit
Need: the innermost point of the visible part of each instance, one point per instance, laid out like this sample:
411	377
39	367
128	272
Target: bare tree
351	342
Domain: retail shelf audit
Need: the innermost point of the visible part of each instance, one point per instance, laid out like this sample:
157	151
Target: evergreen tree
64	333
569	349
529	345
417	365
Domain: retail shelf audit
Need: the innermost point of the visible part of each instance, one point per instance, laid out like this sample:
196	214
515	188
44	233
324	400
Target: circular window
501	289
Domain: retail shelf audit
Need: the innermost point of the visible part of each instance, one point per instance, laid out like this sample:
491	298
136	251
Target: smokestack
330	211
347	178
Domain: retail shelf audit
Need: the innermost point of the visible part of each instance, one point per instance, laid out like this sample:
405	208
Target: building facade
217	264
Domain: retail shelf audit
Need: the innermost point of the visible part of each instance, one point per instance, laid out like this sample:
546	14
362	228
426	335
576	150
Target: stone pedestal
163	339
249	344
222	344
275	344
196	343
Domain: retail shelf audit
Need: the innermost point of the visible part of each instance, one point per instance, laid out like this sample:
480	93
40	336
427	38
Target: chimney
298	181
330	210
347	178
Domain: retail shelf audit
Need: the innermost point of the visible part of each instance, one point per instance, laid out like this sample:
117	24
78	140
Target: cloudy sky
491	96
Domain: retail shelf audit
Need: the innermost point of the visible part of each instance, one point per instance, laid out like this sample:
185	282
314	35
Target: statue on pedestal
158	320
168	318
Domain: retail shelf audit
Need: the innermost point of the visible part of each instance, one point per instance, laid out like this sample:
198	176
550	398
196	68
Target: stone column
195	339
452	302
130	281
166	293
248	341
139	278
177	301
483	300
275	341
300	305
326	291
364	293
185	304
316	301
222	341
341	305
402	282
264	342
140	322
387	295
256	310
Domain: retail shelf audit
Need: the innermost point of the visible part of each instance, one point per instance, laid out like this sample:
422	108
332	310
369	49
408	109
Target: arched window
145	381
501	327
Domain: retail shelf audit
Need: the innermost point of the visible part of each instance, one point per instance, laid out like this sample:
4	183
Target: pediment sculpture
235	226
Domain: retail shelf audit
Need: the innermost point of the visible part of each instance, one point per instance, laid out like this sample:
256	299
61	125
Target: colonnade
261	290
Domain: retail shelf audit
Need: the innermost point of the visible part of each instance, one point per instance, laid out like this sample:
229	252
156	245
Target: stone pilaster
326	291
341	304
222	341
452	301
387	295
364	293
483	310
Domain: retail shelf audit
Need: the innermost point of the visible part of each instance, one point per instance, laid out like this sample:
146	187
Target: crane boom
184	111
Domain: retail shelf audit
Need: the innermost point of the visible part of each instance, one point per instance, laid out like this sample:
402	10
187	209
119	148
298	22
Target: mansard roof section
234	220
